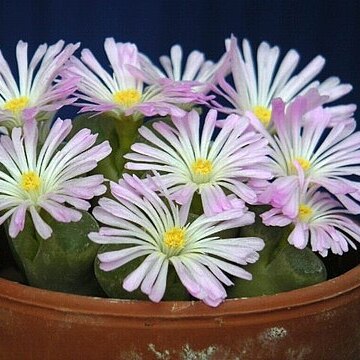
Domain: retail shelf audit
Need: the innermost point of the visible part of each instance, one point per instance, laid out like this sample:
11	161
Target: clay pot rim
50	300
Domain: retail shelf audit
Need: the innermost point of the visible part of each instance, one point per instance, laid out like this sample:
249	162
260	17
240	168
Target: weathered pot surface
318	322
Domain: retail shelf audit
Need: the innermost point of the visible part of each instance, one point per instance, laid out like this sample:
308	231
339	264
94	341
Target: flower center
175	238
304	163
201	170
305	212
263	114
127	98
16	105
202	167
30	181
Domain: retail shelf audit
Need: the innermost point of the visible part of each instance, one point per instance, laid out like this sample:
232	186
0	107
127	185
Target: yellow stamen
175	238
263	114
127	98
16	105
202	167
305	212
304	163
30	181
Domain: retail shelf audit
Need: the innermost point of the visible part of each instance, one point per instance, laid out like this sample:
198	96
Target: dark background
329	28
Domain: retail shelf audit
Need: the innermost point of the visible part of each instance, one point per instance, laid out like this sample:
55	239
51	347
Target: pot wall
318	322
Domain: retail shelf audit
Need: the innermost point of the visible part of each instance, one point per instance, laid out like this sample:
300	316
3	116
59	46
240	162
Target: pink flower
257	86
326	155
319	220
125	91
198	72
39	92
48	179
159	230
192	163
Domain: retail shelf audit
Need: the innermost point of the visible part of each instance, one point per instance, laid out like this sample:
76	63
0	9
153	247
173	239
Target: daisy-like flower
192	163
39	92
197	70
158	229
319	220
257	86
124	91
327	156
46	180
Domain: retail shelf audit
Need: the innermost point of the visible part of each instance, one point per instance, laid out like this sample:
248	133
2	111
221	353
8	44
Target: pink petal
17	220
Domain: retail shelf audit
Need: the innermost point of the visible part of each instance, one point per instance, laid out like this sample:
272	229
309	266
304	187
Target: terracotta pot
318	322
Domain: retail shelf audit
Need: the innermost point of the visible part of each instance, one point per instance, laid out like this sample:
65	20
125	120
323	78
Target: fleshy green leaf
64	262
104	126
120	131
281	266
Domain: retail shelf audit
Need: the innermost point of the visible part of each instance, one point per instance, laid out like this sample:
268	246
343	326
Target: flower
31	181
256	87
319	219
138	217
40	92
190	163
124	92
198	71
303	140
